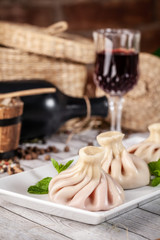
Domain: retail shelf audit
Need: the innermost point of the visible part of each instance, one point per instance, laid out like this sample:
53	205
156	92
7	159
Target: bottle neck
79	107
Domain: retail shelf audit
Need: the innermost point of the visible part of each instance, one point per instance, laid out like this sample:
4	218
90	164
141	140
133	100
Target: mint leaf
60	167
55	164
40	187
155	181
154	166
157	173
36	190
64	167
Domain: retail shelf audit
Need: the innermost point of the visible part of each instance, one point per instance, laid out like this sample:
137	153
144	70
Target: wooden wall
84	16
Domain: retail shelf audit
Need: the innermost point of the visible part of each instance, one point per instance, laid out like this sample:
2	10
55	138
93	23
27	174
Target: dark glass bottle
44	114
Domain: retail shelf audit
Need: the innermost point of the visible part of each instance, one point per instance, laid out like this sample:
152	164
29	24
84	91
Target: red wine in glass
120	73
116	67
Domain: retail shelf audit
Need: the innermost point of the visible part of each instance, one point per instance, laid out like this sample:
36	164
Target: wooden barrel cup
10	128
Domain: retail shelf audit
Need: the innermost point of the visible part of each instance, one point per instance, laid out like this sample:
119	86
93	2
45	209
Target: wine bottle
44	114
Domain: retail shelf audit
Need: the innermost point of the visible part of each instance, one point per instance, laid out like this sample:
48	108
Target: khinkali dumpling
129	170
86	185
149	149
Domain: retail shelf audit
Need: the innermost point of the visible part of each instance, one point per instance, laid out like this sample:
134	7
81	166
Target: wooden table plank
13	226
139	221
153	206
74	230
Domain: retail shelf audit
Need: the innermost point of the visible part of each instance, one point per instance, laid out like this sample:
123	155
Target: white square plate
14	189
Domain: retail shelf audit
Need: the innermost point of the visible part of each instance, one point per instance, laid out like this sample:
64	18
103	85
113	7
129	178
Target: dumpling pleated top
129	170
149	149
85	185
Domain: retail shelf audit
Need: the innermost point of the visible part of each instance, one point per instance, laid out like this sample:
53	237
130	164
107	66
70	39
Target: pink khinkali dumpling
86	185
129	170
149	149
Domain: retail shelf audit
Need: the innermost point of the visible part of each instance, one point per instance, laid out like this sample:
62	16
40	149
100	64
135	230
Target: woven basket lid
69	77
47	41
142	104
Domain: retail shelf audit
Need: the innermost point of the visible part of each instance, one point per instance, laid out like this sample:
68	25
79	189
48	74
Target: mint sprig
60	167
41	187
154	168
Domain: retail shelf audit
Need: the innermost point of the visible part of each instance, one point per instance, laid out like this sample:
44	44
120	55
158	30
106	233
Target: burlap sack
142	104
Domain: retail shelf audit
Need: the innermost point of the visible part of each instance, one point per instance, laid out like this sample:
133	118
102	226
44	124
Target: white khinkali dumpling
86	185
129	170
149	149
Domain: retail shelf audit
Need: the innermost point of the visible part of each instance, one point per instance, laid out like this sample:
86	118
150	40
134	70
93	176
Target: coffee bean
90	143
34	155
66	149
42	151
28	157
47	157
55	150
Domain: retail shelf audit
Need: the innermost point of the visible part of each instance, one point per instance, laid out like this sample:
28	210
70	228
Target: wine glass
116	67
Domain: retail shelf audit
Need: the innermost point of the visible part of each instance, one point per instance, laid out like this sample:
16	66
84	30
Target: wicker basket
142	104
41	41
69	77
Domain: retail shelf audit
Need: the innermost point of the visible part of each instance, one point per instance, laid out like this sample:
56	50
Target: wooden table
21	223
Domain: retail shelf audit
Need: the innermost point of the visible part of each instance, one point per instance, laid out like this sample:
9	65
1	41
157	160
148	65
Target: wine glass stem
115	107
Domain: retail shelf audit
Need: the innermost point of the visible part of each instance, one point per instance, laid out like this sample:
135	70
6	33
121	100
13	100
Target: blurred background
84	16
24	57
68	63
